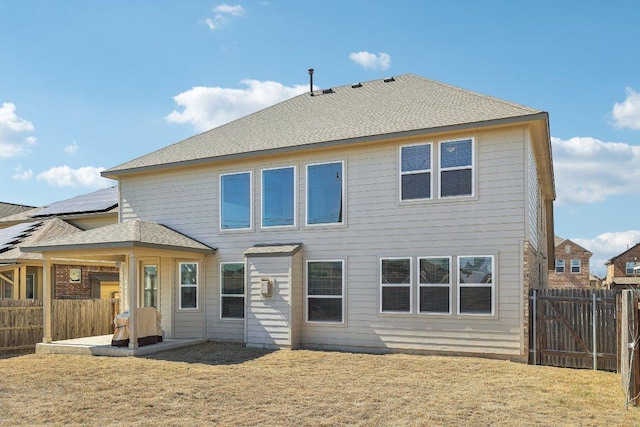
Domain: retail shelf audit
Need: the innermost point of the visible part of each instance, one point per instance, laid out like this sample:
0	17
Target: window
395	285
629	268
476	285
415	172
325	290
235	201
188	285
559	266
232	290
325	193
31	286
150	280
278	197
435	285
456	168
575	266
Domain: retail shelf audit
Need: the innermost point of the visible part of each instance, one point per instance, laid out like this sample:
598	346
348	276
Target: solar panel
13	235
98	201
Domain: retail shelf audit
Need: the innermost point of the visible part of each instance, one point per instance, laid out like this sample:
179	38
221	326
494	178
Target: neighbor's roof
559	241
98	201
27	234
134	233
7	209
401	106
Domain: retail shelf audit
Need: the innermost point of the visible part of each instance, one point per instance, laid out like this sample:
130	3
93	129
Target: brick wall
567	251
64	288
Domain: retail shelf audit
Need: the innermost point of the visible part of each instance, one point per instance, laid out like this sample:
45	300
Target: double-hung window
435	285
325	193
232	290
559	266
415	172
278	197
235	201
395	285
629	267
325	291
575	266
456	168
188	272
476	285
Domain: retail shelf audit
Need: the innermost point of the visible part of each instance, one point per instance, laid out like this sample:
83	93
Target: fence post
535	325
594	330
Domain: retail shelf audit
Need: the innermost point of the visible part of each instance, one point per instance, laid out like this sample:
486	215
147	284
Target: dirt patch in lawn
228	384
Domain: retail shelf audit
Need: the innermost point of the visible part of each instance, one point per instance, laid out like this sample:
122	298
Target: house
623	271
571	266
21	274
400	214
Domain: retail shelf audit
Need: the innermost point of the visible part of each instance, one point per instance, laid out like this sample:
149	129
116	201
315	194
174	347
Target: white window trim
181	285
231	230
472	167
415	172
396	285
306	195
579	266
477	285
243	295
295	198
307	296
426	285
564	267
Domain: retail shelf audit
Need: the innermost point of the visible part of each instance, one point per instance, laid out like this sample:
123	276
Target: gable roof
559	241
613	259
134	233
7	209
379	109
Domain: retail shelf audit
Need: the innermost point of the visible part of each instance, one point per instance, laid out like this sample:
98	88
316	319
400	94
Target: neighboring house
21	274
392	215
571	266
623	271
7	209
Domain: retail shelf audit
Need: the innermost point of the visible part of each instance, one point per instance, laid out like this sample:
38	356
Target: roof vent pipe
311	81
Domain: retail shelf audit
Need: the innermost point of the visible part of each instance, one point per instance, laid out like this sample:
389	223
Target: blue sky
86	85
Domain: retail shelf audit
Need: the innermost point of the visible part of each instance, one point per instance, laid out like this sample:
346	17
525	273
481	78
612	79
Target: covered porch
159	267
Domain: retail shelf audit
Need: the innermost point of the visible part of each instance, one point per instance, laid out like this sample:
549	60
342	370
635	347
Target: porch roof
275	249
128	234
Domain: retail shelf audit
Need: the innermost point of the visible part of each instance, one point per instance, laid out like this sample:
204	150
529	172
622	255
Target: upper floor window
235	201
456	168
395	285
278	197
415	172
435	285
629	268
188	272
559	266
475	285
325	193
232	290
325	290
575	266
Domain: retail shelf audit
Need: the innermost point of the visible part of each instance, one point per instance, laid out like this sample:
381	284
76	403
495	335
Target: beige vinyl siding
534	197
376	225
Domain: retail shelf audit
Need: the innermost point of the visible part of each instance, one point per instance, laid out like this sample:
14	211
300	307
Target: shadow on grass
211	353
15	353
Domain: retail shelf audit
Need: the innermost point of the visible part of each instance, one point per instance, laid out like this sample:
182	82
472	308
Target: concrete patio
101	346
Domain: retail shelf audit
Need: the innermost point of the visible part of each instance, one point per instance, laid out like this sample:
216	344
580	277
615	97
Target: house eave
113	245
542	116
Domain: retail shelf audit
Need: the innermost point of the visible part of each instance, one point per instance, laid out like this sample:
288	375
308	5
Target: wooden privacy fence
629	348
21	322
573	328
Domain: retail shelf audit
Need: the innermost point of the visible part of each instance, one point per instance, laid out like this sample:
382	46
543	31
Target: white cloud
71	149
207	107
22	174
13	143
627	113
222	12
607	245
588	170
382	61
64	176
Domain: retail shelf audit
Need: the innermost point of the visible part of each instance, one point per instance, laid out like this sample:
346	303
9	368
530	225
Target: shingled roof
378	109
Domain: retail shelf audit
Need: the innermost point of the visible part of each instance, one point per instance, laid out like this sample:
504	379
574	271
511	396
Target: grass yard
227	384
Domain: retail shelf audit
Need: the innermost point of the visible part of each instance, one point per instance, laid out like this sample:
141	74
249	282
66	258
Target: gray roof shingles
409	103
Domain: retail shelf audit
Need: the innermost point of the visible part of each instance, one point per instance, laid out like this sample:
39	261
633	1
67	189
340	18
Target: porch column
47	302
132	296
